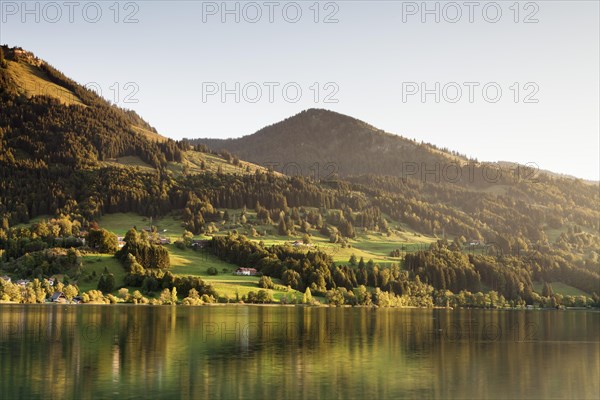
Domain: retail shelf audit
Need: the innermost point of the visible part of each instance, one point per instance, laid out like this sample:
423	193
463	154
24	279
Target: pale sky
374	58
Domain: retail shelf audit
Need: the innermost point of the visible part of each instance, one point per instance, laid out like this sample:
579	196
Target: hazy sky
192	70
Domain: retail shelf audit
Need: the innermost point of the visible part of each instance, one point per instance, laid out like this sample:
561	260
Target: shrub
265	282
261	297
106	283
102	240
207	298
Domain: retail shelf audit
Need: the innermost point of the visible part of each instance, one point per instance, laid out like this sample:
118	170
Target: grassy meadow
374	246
36	83
370	245
96	263
560	288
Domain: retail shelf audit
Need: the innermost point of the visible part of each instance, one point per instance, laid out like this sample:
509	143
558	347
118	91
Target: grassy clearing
560	288
36	83
499	190
554	234
129	161
236	289
193	160
120	223
34	221
369	245
382	245
97	263
155	137
196	263
191	262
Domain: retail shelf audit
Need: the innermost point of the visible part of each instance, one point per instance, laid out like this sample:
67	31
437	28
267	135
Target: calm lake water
251	352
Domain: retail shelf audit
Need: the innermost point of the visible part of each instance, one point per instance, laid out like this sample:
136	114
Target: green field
191	262
185	262
374	246
35	220
192	164
97	263
120	223
129	161
369	245
560	288
196	263
35	82
553	234
155	137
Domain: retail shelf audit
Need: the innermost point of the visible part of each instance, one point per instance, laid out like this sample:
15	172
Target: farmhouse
246	271
58	297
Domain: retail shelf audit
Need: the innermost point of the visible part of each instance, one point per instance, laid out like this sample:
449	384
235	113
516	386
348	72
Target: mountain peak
326	139
325	115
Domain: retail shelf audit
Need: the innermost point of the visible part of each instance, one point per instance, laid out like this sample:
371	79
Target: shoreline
374	307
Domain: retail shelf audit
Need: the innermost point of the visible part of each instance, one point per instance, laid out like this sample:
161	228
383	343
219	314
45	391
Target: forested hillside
323	143
42	129
83	159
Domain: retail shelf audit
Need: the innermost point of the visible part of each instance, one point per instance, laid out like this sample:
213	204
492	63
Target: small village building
58	297
246	271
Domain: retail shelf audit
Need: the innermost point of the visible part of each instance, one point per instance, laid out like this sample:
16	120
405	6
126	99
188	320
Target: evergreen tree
352	260
361	263
307	297
282	229
106	284
547	290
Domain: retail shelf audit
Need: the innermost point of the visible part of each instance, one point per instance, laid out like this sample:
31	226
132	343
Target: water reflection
293	352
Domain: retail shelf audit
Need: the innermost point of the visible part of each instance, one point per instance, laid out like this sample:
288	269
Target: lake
253	352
